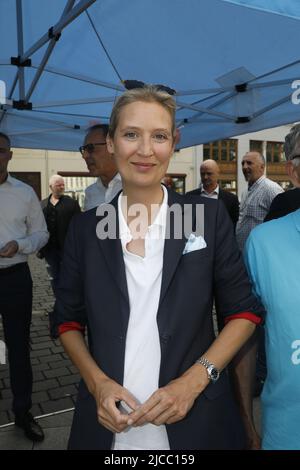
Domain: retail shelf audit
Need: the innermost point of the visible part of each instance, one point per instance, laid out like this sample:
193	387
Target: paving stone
71	379
73	369
34	361
57	349
44	385
40	353
41	345
63	392
62	363
55	439
57	420
14	440
37	376
40	367
51	358
40	339
6	393
63	371
4	374
61	404
39	397
3	418
36	410
5	404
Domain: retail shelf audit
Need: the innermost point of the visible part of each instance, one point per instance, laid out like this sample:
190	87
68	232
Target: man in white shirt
23	231
100	164
256	201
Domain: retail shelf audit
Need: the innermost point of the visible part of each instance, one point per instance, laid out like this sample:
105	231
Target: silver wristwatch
212	372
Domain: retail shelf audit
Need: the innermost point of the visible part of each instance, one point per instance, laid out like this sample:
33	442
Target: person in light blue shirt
273	260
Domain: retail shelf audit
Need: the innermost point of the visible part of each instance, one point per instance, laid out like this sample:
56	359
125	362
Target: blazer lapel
112	251
173	247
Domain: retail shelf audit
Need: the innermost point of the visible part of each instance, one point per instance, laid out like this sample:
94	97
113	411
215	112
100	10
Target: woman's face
142	144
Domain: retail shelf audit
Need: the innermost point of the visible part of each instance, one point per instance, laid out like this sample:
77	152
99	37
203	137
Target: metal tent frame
241	102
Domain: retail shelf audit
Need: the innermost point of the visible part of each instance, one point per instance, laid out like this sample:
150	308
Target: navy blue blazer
93	292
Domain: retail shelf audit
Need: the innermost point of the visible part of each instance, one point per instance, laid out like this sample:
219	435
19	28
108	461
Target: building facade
36	166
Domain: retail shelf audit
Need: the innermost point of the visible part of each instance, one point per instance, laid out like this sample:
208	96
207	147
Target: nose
145	147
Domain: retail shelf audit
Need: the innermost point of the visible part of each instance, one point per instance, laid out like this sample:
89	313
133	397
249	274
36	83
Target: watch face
214	373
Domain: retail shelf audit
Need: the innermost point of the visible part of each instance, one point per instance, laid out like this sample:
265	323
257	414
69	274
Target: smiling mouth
145	165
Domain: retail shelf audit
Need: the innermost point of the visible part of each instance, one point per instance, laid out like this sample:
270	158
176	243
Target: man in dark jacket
58	210
209	172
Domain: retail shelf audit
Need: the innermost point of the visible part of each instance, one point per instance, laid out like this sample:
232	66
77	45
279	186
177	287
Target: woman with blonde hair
153	373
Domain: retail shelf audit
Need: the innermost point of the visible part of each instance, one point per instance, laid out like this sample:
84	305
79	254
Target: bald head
209	172
253	166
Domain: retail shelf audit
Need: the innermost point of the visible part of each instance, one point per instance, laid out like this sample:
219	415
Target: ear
110	145
292	173
177	137
289	167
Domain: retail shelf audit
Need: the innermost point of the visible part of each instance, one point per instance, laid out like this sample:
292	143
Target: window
175	181
221	150
275	152
228	185
256	146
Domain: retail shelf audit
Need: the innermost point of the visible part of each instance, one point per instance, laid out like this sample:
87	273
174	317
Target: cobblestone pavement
55	378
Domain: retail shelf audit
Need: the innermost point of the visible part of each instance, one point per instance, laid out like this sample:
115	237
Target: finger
115	416
130	401
115	421
156	415
167	417
153	407
110	426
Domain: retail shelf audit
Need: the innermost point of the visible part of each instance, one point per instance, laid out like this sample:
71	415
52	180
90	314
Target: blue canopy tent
62	63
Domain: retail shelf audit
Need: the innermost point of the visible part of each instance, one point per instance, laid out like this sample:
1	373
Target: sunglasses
132	84
90	148
4	150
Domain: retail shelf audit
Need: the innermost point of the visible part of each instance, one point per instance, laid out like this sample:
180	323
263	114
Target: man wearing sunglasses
100	164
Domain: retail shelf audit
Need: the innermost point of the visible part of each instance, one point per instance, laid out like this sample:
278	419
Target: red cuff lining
247	316
71	325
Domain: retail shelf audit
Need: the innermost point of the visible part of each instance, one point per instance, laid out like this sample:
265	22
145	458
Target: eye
160	137
130	135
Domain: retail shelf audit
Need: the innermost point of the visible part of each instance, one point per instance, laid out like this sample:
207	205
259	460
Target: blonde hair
147	94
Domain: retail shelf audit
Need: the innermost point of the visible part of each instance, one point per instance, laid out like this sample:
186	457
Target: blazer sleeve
232	287
69	309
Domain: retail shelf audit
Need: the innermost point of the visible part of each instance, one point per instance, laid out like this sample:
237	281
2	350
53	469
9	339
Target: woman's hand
171	403
108	394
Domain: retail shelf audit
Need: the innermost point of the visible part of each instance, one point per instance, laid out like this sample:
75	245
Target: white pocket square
194	243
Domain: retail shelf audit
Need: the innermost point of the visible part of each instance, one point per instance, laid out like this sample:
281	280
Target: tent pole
271	106
47	54
57	29
20	49
205	111
83	78
108	99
